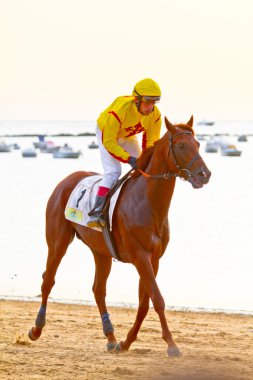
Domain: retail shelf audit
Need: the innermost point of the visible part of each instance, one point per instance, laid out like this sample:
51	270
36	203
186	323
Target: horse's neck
158	192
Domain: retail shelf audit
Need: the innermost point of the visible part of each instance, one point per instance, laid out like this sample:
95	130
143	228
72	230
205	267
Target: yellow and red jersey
122	119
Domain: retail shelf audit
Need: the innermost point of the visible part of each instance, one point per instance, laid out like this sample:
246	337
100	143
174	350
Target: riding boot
96	217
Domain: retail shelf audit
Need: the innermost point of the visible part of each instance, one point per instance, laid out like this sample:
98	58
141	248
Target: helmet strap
138	103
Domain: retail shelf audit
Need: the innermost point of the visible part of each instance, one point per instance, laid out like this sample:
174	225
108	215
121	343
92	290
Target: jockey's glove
132	161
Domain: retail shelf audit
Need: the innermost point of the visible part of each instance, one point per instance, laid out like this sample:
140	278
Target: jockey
116	131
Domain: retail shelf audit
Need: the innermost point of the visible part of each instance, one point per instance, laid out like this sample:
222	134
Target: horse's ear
190	122
169	126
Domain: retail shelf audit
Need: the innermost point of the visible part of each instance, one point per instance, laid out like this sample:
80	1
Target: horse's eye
181	145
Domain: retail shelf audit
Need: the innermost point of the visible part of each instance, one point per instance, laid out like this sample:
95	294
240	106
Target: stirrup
96	221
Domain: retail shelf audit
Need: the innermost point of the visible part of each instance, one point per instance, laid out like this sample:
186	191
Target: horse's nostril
203	174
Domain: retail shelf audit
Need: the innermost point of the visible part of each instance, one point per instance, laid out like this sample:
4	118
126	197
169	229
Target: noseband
183	173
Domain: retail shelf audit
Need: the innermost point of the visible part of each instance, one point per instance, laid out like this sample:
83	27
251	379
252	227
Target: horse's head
184	154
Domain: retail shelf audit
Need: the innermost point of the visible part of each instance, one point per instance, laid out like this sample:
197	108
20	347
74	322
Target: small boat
16	146
242	138
206	122
211	147
29	152
200	137
41	144
93	145
49	147
45	146
66	152
230	150
4	148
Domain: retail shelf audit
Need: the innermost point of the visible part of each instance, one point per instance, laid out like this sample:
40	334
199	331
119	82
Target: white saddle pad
82	200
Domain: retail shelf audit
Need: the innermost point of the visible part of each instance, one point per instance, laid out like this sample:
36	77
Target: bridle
183	173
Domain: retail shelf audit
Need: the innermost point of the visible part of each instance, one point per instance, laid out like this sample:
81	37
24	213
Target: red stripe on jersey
119	158
116	116
113	155
144	141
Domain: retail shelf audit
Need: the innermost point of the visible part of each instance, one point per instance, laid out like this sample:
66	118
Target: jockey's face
146	107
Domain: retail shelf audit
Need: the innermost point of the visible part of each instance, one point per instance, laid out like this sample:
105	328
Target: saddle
82	200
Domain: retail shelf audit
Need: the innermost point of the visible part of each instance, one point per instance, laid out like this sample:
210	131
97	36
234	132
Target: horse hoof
118	347
174	351
111	346
32	336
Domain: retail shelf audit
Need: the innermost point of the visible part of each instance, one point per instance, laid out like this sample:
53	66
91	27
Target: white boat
93	145
41	143
230	150
29	152
206	122
16	146
211	147
200	137
66	152
49	147
4	148
242	138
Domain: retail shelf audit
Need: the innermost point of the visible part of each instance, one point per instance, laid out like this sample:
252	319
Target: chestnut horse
140	228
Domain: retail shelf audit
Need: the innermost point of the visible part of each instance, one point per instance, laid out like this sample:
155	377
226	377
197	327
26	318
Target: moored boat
206	122
211	147
29	152
93	145
4	148
66	152
242	138
230	150
50	147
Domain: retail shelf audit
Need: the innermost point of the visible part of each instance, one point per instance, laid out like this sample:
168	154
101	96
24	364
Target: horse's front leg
147	276
141	314
103	269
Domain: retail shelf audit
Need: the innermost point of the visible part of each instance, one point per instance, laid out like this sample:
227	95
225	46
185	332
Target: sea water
207	265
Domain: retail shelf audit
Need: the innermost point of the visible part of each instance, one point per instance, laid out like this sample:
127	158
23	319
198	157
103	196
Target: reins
158	176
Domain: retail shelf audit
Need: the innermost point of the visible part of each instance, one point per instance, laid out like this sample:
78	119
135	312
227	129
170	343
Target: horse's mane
143	160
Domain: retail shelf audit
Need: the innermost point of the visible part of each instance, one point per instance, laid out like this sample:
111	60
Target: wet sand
72	346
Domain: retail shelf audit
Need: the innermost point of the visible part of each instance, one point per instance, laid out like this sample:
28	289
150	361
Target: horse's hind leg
103	268
58	242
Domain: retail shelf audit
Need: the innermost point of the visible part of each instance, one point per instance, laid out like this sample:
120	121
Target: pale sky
69	59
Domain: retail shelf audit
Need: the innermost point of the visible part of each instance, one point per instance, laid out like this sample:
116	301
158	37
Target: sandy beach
72	346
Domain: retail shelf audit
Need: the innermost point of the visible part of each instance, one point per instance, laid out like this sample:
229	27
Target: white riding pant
112	167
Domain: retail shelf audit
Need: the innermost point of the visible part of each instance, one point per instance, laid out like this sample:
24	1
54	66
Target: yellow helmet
147	90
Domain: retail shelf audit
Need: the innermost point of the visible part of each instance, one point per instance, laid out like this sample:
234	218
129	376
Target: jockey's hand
132	161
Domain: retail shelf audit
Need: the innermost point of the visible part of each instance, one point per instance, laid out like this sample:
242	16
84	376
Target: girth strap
107	234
